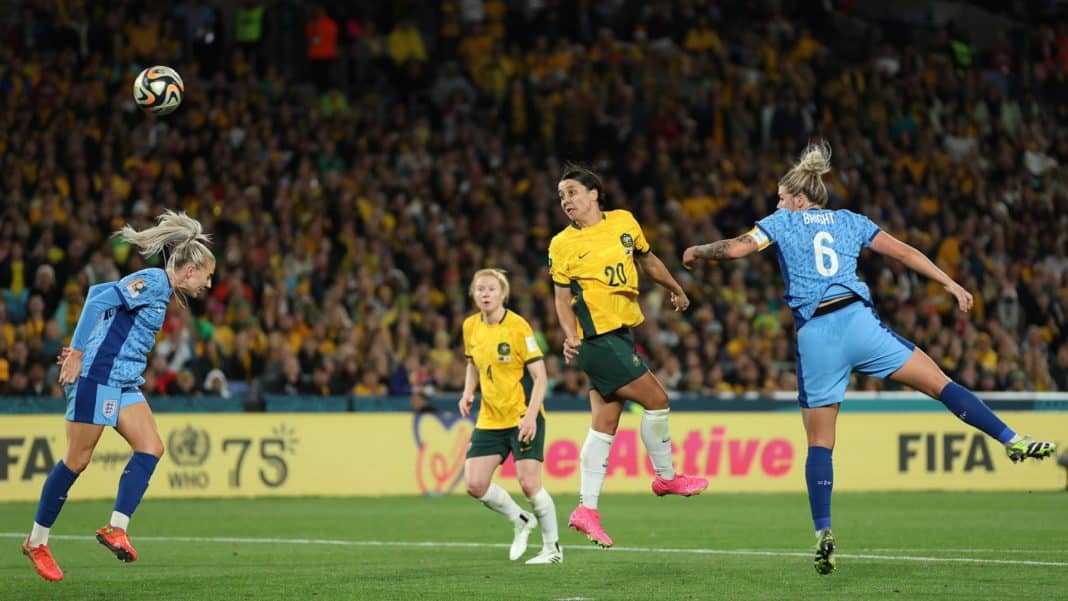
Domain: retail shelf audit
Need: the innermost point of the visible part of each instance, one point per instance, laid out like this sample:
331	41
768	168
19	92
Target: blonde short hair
492	272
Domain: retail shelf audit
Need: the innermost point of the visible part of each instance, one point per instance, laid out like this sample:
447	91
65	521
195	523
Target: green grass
667	549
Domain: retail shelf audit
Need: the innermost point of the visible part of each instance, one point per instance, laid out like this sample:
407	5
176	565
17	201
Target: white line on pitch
471	545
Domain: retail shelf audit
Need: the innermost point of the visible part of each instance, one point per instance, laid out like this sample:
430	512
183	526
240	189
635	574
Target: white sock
120	520
39	535
498	499
657	438
1015	439
545	509
594	461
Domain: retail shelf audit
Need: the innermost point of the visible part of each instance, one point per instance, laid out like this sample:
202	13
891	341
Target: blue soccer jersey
817	251
133	313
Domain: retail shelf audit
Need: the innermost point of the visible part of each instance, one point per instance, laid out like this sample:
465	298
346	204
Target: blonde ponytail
806	176
178	236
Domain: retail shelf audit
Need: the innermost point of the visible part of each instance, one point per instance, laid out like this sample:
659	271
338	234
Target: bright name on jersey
818	218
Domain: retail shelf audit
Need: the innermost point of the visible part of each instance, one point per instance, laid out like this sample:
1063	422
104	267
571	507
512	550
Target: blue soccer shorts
92	403
830	347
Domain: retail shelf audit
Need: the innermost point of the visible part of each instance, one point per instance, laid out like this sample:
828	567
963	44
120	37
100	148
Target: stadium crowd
355	173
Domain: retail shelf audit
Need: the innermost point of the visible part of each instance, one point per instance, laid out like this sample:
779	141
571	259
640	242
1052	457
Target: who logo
189	446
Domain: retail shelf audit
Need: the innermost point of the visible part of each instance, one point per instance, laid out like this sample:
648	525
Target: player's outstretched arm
734	248
885	244
653	267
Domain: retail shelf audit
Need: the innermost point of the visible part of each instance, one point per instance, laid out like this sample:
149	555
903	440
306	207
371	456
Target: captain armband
759	237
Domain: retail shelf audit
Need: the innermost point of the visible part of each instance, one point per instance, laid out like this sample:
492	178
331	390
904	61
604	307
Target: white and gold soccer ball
158	90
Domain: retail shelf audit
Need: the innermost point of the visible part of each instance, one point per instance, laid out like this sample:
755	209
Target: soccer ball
158	89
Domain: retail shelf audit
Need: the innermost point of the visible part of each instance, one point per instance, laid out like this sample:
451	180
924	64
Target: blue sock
819	475
974	412
54	494
134	482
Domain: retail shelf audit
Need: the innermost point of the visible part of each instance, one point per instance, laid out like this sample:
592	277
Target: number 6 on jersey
826	258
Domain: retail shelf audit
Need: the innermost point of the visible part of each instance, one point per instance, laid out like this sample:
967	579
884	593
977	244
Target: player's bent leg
81	440
656	436
478	471
138	427
921	373
594	462
594	466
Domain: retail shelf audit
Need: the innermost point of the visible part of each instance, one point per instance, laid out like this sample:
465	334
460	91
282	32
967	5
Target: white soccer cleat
553	554
526	525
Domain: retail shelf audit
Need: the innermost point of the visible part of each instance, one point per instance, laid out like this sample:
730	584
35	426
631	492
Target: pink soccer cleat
117	541
43	561
588	522
681	484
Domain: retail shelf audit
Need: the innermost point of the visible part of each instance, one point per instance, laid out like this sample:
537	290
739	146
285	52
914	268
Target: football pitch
716	546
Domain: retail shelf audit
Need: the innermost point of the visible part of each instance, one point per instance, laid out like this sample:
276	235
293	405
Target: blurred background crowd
356	171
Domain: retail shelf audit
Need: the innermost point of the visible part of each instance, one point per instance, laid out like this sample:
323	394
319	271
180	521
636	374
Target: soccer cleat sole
824	561
593	540
675	494
122	554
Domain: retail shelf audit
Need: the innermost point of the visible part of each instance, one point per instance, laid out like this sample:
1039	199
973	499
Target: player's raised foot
43	561
1029	447
526	524
825	548
588	522
681	484
116	540
551	554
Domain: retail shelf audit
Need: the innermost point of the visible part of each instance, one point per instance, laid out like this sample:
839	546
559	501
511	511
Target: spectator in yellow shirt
406	44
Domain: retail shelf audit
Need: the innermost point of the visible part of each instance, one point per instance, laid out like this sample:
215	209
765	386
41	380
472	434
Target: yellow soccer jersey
501	353
597	263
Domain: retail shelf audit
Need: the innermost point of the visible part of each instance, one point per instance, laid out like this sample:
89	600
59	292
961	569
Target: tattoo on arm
717	251
734	248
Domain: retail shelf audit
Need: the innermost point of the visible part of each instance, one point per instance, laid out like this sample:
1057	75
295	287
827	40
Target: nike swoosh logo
584	254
